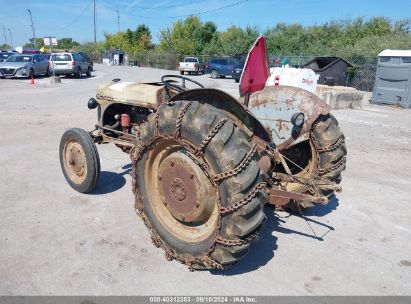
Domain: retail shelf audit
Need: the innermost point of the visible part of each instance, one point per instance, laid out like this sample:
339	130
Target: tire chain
209	137
183	111
331	147
340	163
238	242
206	260
240	167
234	207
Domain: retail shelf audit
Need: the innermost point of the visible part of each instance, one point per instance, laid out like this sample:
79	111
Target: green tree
188	37
30	44
5	46
130	41
237	41
93	49
67	43
347	38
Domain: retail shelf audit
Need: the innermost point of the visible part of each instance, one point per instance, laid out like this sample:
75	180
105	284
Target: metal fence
361	76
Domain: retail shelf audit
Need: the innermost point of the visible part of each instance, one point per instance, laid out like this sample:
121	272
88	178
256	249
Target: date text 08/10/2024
203	299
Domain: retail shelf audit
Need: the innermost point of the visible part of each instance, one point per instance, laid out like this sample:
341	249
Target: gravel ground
55	241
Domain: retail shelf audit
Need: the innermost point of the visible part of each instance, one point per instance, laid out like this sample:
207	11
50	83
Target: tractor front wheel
79	160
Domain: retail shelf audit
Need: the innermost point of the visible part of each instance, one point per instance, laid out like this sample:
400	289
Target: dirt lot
55	241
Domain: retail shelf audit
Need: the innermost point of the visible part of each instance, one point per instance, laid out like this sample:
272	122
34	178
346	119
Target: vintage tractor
204	164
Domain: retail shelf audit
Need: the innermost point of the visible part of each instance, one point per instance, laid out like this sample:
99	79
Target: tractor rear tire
188	141
328	155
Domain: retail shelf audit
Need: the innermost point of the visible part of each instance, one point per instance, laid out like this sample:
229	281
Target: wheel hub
178	189
75	160
184	188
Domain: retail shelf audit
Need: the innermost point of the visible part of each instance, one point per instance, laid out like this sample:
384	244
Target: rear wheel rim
75	163
180	194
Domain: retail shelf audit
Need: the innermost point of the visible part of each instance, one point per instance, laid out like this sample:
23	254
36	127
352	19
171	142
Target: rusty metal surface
185	189
280	197
274	106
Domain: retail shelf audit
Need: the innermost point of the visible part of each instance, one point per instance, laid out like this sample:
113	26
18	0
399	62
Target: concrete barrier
338	97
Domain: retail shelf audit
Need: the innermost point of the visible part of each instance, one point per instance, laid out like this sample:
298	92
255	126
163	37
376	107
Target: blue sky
74	18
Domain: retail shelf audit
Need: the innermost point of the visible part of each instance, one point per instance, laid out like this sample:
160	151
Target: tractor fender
221	100
273	107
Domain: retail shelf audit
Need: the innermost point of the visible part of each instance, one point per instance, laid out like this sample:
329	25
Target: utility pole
4	32
11	39
32	26
118	19
95	36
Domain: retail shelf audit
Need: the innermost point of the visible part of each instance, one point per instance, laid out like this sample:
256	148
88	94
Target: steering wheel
169	83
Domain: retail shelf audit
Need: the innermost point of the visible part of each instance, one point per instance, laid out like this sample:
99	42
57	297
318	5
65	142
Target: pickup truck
191	65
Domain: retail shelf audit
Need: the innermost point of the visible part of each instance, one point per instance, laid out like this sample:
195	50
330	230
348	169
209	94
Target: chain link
210	136
340	163
183	111
332	147
156	130
237	242
240	167
234	207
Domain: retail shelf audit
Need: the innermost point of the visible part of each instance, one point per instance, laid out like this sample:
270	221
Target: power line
167	6
71	23
78	17
192	14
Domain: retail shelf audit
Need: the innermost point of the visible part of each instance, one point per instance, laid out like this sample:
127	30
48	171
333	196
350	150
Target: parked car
5	55
86	57
46	56
191	65
237	71
70	64
24	65
221	67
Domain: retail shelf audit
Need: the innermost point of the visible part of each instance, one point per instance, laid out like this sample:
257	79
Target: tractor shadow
111	181
321	210
261	251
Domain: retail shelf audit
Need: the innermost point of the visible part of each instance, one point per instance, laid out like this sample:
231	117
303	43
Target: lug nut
172	164
197	205
192	176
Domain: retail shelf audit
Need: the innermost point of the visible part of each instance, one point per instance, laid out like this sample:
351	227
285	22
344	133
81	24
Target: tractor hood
149	95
